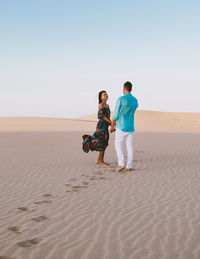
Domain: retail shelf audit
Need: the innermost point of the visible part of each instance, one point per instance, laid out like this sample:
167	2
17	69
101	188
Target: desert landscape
56	203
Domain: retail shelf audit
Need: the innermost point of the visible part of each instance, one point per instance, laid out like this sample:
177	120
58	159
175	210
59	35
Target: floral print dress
98	141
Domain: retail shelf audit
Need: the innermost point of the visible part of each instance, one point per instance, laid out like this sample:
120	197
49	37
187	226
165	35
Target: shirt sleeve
117	109
137	104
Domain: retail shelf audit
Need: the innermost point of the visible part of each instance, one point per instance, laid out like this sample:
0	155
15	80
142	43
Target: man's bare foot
120	168
128	169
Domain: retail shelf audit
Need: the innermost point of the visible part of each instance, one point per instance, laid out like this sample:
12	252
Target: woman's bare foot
97	162
103	163
120	168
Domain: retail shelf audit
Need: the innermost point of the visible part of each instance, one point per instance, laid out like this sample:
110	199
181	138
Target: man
125	108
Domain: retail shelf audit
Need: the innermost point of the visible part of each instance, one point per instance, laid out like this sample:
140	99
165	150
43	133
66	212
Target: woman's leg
101	158
98	159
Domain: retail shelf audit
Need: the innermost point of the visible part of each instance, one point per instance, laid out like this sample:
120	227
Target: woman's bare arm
113	124
106	119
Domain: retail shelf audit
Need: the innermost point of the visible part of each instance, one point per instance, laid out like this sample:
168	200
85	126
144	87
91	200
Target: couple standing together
122	123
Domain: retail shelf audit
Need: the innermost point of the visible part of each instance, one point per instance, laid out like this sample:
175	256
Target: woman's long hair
100	93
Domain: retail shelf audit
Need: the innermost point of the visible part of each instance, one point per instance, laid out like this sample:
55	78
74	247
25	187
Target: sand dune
162	121
145	121
57	203
36	124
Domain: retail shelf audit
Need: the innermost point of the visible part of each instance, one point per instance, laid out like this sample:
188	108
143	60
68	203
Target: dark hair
128	86
100	93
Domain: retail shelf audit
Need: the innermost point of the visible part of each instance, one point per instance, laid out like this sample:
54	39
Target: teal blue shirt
125	108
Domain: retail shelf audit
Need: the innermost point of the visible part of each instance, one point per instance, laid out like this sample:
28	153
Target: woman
99	139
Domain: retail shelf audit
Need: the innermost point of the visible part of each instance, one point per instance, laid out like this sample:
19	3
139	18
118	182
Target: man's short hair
128	86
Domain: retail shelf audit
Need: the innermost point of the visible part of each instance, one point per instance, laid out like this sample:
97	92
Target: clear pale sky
55	56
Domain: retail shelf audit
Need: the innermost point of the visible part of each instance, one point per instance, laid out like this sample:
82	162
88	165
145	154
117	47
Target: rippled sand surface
57	203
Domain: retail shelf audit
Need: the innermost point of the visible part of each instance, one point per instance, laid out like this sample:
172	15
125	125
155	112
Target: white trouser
120	136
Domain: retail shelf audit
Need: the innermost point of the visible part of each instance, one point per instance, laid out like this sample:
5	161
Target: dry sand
151	121
57	204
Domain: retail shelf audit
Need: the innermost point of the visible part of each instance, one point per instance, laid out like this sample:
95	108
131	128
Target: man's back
124	112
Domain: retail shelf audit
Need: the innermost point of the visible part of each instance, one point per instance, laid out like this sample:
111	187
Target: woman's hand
113	124
112	129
